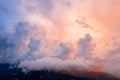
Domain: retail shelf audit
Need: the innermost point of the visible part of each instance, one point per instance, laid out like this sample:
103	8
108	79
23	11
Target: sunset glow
61	34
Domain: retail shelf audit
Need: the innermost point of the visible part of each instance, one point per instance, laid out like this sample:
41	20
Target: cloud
85	47
51	63
63	51
2	7
43	34
83	23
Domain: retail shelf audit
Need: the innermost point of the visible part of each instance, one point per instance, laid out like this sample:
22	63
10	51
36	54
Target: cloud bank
60	34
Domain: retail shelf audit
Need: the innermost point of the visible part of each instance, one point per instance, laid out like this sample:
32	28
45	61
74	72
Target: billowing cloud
61	34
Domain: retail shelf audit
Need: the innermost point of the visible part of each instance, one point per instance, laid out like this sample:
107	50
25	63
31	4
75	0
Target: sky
61	34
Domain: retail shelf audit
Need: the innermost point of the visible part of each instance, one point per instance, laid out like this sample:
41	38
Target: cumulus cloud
85	47
61	34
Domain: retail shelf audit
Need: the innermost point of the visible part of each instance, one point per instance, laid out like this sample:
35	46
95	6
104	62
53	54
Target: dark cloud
85	47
